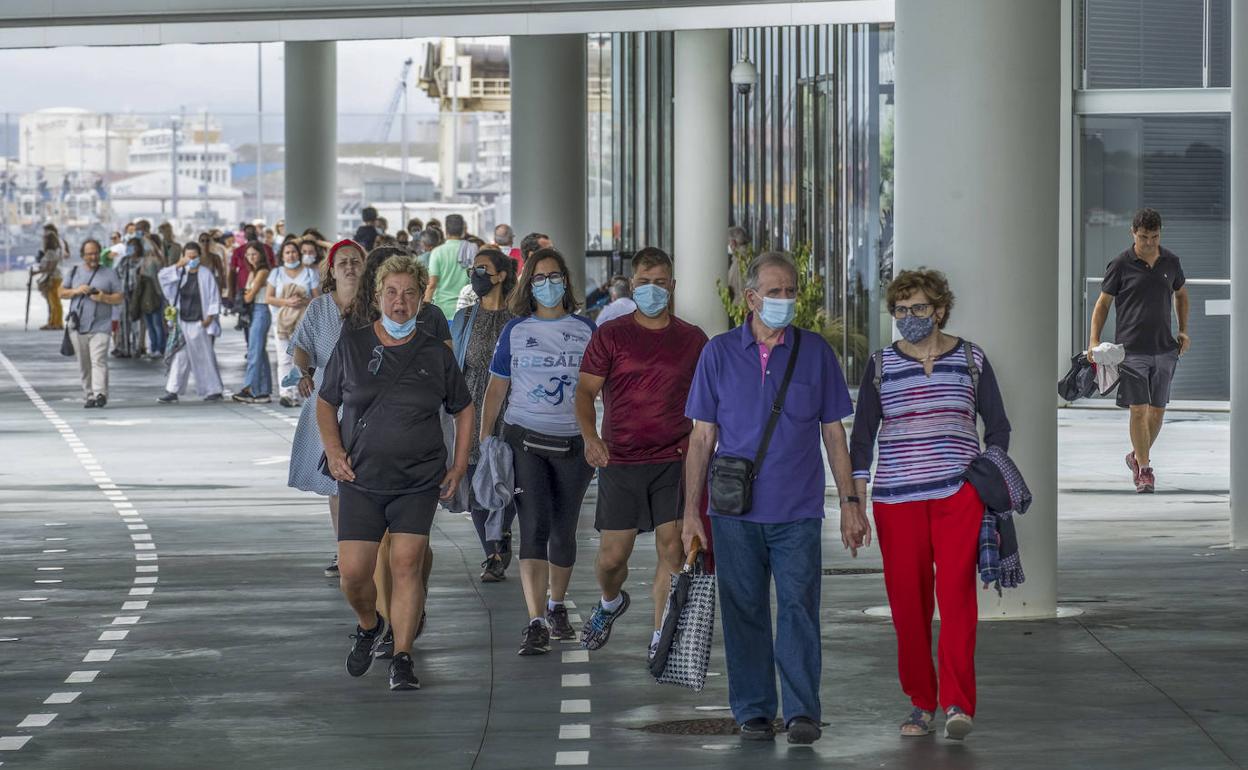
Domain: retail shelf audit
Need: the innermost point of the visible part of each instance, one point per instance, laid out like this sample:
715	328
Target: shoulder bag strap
362	422
778	406
969	350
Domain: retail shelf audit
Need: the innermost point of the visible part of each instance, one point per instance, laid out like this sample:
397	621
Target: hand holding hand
855	529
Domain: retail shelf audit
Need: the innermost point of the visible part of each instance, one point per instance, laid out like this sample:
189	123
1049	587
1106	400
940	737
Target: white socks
612	605
552	605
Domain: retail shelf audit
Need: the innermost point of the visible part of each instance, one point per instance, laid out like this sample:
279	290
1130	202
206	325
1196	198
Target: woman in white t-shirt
291	287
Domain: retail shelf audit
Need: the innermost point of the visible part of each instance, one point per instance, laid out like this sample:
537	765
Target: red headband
344	243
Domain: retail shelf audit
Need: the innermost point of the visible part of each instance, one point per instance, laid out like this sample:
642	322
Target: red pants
926	545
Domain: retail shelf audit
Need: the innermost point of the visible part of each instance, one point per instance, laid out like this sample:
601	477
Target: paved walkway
221	644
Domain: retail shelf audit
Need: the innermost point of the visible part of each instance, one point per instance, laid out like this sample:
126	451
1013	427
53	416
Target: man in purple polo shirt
738	376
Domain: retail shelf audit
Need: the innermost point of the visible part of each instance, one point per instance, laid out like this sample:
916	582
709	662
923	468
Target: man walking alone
1146	286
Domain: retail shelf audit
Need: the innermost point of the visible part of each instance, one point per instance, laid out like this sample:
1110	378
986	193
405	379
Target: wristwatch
851	499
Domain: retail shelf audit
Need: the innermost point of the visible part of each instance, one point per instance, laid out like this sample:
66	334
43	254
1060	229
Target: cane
30	281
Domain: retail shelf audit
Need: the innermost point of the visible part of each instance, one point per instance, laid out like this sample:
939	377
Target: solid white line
99	656
575	680
576	656
572	758
13	742
58	698
141	591
36	720
113	636
79	677
125	620
573	732
133	606
574	707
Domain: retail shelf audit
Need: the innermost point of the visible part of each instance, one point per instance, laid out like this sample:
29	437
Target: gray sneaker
597	630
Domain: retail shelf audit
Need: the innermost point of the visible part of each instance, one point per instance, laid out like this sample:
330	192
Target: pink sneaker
1134	466
1147	482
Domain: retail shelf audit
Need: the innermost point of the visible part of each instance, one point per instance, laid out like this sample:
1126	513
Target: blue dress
317	334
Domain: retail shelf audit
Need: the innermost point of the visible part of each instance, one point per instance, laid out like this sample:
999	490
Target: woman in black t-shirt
390	379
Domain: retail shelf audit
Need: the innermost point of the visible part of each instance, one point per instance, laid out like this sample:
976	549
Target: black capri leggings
549	503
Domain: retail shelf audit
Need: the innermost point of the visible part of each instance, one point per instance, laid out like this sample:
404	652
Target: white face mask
309	259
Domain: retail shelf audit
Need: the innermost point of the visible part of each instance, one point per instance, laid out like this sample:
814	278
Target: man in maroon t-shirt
643	363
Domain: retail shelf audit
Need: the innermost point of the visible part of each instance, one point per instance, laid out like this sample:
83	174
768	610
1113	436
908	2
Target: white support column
977	137
701	179
1239	275
312	137
548	113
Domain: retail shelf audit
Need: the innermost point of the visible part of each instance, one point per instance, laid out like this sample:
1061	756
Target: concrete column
701	179
1239	275
548	112
977	137
312	137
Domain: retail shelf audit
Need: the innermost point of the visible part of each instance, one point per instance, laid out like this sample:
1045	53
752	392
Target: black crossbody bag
362	423
732	478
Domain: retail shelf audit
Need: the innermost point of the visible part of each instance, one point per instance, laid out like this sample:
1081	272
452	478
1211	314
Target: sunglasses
374	365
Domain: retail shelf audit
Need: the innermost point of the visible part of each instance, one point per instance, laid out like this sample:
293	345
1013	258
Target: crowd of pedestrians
725	441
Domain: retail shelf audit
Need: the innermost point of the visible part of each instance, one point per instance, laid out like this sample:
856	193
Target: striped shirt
925	425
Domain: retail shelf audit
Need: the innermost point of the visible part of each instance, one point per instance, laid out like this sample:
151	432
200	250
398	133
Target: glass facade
1153	155
812	166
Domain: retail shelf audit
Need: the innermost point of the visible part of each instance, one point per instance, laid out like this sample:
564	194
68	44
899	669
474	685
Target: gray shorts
1145	379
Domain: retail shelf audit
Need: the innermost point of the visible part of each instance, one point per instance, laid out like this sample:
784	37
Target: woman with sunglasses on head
921	398
474	335
537	363
387	454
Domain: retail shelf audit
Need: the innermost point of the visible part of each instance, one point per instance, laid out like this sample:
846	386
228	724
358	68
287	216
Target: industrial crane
400	90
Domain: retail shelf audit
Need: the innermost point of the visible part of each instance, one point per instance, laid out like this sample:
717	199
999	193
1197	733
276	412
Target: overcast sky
219	78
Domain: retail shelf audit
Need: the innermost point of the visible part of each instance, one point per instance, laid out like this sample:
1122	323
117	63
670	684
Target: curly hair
363	309
932	283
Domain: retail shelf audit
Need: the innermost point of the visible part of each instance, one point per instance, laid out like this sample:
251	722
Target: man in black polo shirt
1145	284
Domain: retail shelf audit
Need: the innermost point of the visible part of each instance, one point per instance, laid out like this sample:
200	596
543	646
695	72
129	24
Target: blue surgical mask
396	329
651	299
778	313
915	330
194	263
291	265
549	294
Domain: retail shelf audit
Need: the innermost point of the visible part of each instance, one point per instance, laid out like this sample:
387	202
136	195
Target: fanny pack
732	478
555	447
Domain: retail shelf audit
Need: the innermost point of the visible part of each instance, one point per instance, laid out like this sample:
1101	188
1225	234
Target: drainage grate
853	571
723	726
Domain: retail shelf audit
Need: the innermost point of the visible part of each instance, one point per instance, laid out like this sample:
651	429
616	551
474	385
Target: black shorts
367	515
640	497
1145	379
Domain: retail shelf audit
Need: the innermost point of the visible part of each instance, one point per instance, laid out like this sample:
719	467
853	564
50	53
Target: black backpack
1080	381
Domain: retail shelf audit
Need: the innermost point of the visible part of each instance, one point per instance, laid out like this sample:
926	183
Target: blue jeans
747	556
259	377
155	321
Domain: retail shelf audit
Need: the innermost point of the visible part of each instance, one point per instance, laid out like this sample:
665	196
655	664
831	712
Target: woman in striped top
920	398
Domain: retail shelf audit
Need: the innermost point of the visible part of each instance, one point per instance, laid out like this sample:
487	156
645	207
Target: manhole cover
725	726
853	571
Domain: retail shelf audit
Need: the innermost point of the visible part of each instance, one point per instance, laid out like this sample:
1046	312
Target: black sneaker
100	401
505	551
90	403
214	397
804	731
243	396
597	630
360	658
560	628
288	402
536	639
385	649
492	570
758	729
402	677
168	398
332	569
264	399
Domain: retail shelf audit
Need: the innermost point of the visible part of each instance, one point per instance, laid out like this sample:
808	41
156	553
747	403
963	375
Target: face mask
915	330
778	313
309	259
482	285
549	294
651	299
194	263
290	265
396	329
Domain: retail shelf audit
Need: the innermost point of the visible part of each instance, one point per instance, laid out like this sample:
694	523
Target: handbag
72	318
362	422
732	478
1080	381
683	653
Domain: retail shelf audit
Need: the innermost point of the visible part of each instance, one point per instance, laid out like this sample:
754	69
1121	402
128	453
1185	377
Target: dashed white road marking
132	606
50	569
125	620
99	656
576	656
571	758
574	707
13	742
575	680
147	568
58	698
32	599
573	732
81	677
113	636
37	720
142	591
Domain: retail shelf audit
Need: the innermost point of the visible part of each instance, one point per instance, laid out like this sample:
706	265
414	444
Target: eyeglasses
374	365
540	279
481	270
922	310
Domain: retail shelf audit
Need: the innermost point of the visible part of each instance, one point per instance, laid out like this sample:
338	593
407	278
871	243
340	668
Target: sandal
958	724
919	719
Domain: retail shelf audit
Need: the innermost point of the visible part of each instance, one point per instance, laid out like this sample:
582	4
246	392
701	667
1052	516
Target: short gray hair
619	287
504	235
765	260
738	236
